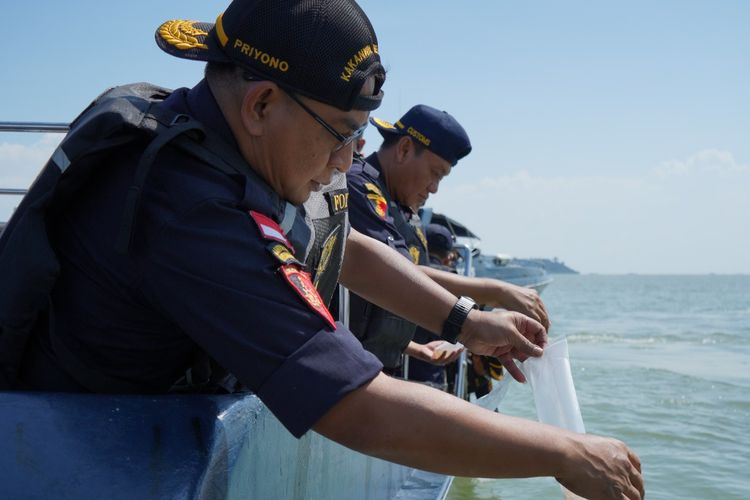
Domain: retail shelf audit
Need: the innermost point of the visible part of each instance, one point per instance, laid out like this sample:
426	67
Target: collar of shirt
373	161
200	103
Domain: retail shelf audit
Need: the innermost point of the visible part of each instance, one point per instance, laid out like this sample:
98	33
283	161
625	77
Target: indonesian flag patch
268	228
302	284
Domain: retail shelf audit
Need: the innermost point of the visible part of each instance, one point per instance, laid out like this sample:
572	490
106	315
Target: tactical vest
328	219
381	332
119	118
411	231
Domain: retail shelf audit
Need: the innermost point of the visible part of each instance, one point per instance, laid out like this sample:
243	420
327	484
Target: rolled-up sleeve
334	360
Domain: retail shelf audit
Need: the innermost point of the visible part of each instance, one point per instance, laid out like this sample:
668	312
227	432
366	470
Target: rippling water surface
661	362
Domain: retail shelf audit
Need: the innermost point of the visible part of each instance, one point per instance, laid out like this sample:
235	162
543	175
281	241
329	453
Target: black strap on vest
407	231
180	125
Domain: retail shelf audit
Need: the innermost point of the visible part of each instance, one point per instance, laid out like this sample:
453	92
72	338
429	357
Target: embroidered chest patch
338	201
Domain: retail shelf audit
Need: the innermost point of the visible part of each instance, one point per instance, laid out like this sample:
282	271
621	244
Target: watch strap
456	318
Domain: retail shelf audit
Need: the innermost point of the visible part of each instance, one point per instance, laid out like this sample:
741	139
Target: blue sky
613	135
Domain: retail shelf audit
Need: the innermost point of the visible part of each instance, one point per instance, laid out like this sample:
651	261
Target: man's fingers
526	347
634	460
512	368
531	329
544	320
519	356
632	493
637	479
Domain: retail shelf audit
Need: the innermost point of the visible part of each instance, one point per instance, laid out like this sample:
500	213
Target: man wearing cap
386	190
211	262
440	243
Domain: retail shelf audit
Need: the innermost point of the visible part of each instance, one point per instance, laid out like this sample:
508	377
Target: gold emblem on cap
383	123
182	34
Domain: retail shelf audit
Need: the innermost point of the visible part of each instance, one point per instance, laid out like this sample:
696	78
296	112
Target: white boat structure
505	268
501	266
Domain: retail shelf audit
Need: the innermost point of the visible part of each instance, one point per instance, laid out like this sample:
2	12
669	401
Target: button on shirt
199	276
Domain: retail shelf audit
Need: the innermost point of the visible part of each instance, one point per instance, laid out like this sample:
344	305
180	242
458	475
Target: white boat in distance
502	267
505	268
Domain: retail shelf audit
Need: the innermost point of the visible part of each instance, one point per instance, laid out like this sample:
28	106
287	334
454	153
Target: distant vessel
552	266
506	268
527	273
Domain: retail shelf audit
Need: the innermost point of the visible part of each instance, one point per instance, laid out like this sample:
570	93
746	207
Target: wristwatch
456	318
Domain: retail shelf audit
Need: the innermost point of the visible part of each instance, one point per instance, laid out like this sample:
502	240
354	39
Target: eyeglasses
344	140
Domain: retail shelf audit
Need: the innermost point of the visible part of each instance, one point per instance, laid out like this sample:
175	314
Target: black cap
437	130
323	49
438	238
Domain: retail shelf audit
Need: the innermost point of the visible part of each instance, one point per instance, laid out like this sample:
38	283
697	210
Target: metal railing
30	127
465	251
34	127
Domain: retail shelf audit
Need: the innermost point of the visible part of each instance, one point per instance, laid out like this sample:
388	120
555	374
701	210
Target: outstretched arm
428	353
492	292
384	277
425	428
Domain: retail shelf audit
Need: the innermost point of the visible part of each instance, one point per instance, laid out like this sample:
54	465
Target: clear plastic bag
552	385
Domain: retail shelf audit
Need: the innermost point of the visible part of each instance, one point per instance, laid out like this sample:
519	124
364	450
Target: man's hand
492	292
520	299
430	354
603	468
505	335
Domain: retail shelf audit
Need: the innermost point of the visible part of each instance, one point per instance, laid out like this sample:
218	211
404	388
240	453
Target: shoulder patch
373	188
269	229
300	281
338	200
377	201
283	254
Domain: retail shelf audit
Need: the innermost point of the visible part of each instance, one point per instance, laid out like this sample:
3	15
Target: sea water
662	363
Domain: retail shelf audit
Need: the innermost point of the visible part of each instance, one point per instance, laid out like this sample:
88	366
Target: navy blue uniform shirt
199	277
368	205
